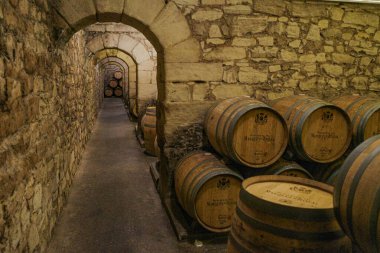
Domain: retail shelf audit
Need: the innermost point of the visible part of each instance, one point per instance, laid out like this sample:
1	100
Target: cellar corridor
113	205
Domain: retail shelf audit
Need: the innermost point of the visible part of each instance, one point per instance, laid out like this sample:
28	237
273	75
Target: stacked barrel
113	87
279	148
314	133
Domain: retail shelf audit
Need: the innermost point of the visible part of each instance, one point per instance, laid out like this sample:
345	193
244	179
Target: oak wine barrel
247	131
280	214
108	92
156	147
118	92
364	113
357	195
113	83
328	174
318	131
133	107
118	75
148	125
207	190
281	167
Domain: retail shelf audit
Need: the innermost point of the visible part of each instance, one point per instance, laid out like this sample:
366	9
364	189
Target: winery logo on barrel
223	183
300	189
327	116
261	118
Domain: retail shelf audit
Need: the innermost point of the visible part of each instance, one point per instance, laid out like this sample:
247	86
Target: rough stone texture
46	116
319	48
207	15
194	72
244	25
274	7
226	53
139	10
244	42
108	9
170	26
288	56
186	51
237	9
361	18
250	75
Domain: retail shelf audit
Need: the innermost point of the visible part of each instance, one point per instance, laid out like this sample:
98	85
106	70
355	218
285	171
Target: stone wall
207	50
267	50
48	103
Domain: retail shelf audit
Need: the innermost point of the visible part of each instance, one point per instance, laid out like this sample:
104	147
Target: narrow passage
113	205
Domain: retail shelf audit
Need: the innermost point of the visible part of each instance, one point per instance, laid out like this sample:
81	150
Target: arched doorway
160	24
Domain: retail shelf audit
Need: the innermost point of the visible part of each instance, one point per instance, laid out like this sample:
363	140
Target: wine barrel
156	148
286	168
133	107
247	131
329	173
357	195
108	92
113	84
148	124
118	92
118	75
207	190
281	167
364	113
280	214
318	131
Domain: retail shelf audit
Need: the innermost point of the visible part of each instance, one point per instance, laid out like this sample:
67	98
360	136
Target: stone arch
146	66
178	52
156	22
132	68
126	73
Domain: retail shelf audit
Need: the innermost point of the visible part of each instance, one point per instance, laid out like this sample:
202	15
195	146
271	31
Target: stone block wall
267	50
48	104
207	50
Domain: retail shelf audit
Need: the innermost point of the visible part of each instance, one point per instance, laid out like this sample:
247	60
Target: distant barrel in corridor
113	83
118	92
108	92
148	125
118	75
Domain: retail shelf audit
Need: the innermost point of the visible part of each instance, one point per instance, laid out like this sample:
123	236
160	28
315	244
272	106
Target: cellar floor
113	205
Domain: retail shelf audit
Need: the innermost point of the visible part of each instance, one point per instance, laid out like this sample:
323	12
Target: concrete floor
113	205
